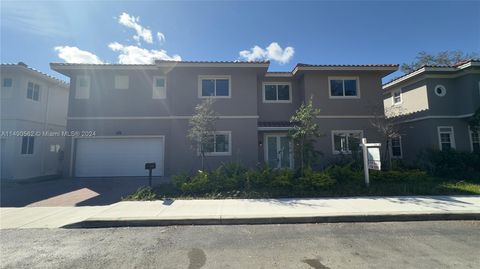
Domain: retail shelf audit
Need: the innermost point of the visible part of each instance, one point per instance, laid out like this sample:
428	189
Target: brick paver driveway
70	192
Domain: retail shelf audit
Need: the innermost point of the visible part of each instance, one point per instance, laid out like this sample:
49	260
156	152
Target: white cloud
272	53
133	22
137	55
161	37
76	55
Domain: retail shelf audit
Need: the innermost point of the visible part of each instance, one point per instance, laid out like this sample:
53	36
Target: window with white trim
214	86
28	142
396	147
7	82
397	97
219	143
33	91
82	89
121	82
446	137
346	141
343	87
475	140
277	92
159	87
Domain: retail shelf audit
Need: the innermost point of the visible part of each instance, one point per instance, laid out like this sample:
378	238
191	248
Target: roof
432	68
40	73
387	68
346	65
214	62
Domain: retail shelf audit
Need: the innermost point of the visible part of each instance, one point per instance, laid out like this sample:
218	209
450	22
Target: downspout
44	132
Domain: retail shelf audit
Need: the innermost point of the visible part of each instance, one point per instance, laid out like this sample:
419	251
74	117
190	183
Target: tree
202	128
441	58
304	132
388	128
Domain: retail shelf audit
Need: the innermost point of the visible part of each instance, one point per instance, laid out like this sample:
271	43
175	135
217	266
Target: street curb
99	223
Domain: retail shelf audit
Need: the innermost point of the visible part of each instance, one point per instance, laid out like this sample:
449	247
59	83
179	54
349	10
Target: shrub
282	178
312	180
197	184
142	194
344	173
229	176
450	163
398	176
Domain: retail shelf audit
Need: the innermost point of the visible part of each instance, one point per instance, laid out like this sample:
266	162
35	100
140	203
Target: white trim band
438	117
157	118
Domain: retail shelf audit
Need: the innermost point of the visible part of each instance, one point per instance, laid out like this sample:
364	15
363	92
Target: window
446	138
277	93
214	86
344	87
28	143
82	90
219	144
159	88
397	97
440	90
33	91
475	140
7	82
396	147
346	141
121	82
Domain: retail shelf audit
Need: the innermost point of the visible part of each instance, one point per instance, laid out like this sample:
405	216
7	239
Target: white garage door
107	157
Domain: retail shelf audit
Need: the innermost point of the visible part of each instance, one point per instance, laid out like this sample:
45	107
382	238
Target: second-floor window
277	93
397	97
33	91
7	82
82	90
159	88
214	86
346	141
121	82
343	87
446	137
28	143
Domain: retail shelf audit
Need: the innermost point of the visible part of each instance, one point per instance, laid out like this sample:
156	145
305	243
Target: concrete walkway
243	211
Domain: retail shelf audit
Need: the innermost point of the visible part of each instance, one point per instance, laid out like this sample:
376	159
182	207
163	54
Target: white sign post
371	158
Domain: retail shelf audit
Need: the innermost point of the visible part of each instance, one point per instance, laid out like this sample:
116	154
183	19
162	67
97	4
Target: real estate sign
374	162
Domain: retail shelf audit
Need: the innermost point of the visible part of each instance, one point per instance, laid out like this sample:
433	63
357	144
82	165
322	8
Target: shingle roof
103	64
214	62
23	65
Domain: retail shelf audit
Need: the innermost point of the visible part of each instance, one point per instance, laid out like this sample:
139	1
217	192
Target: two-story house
140	113
431	106
33	115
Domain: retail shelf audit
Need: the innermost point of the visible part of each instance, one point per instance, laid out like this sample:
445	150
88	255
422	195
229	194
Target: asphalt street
447	244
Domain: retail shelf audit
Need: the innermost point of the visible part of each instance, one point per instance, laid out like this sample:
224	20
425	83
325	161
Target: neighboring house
140	113
431	106
33	115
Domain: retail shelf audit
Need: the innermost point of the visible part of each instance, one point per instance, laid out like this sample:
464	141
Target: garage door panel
104	157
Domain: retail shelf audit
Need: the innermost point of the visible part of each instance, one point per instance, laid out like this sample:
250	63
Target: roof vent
22	64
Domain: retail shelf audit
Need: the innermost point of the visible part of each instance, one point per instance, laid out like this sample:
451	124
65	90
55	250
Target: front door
278	151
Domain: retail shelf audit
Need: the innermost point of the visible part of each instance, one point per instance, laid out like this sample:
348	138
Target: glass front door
278	152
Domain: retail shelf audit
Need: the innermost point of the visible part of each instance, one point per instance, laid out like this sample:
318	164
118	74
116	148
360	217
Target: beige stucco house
126	115
431	106
33	115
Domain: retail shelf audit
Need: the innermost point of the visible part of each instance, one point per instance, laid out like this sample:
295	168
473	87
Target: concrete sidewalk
243	211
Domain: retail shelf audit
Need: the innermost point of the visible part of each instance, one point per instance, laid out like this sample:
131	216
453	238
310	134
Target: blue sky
321	32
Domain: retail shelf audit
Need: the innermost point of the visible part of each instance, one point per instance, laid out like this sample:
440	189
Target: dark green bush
196	184
281	178
312	181
450	163
398	176
344	173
